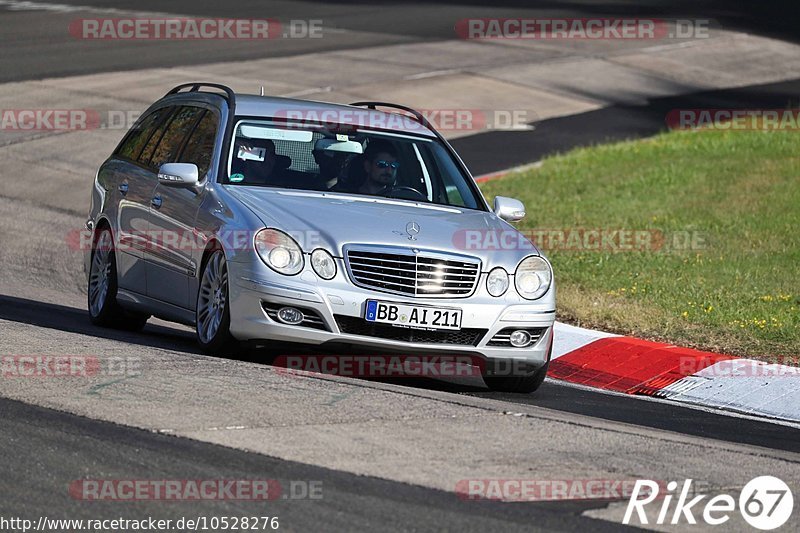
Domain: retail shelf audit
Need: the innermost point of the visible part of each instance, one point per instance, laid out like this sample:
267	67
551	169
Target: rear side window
132	146
172	141
150	147
199	147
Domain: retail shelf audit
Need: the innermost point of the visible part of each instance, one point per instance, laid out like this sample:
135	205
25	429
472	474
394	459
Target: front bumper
338	303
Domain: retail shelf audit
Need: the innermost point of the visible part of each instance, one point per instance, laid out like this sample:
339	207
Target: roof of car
328	113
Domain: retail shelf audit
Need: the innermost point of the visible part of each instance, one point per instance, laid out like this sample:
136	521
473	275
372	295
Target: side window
199	148
138	136
171	142
150	147
457	190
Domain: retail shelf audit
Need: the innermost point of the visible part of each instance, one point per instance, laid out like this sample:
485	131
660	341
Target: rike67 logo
765	503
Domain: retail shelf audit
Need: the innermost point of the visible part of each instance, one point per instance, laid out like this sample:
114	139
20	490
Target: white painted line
305	92
15	5
570	338
431	74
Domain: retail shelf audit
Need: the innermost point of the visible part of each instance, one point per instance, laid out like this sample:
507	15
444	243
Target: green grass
738	292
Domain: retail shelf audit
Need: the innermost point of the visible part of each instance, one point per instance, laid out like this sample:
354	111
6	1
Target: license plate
412	316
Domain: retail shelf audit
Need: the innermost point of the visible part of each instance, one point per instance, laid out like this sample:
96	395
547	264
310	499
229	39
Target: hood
333	220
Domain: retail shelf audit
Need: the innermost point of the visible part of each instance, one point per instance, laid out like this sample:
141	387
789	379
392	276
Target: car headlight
279	251
497	282
533	277
323	264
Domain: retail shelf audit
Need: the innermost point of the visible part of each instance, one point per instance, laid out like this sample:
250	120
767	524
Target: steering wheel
406	193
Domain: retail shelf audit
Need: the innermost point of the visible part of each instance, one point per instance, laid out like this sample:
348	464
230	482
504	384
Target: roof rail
416	114
230	96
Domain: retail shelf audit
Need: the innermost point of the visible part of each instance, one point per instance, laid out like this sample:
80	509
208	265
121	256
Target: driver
380	164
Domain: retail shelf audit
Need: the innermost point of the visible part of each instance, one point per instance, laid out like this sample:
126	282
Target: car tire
212	312
104	310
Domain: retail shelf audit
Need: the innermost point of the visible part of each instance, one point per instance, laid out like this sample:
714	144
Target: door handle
156	202
123	189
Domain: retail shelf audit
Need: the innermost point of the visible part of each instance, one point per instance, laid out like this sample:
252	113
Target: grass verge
707	246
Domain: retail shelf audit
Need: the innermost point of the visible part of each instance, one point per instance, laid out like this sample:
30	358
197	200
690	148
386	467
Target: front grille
420	274
503	337
311	318
358	326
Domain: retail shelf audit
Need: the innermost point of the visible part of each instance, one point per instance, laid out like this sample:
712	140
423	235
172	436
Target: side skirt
133	301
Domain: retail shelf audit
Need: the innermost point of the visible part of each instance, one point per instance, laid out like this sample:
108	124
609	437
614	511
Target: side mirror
178	174
509	209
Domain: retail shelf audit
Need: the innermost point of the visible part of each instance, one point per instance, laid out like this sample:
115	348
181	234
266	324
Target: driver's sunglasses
385	164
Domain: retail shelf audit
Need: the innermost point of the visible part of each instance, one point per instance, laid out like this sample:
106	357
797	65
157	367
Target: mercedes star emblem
412	228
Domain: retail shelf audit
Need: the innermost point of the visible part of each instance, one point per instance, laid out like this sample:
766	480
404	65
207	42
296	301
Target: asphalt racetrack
388	454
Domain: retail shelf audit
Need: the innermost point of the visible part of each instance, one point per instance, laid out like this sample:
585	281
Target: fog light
520	338
290	315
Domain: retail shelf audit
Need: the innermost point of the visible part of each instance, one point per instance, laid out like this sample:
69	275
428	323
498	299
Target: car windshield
269	154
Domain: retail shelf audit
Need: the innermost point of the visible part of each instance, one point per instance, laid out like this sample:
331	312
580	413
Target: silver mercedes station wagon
269	220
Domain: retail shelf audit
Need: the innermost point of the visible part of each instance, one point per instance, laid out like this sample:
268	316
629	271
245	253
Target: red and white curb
632	366
626	365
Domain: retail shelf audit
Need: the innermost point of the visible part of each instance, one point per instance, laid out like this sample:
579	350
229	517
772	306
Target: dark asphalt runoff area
35	42
45	450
